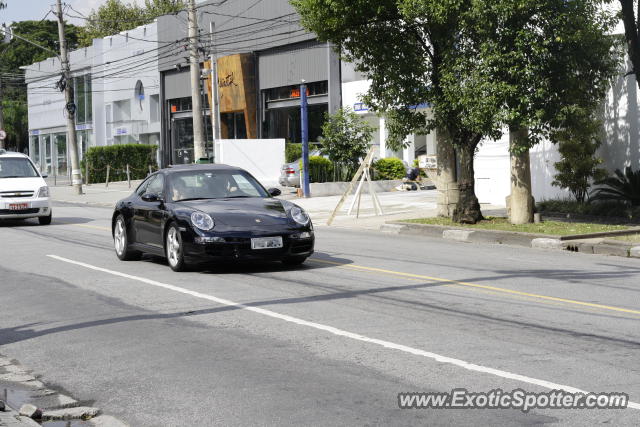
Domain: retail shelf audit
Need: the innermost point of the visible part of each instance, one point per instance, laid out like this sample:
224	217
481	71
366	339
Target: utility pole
2	134
72	142
305	139
199	140
215	107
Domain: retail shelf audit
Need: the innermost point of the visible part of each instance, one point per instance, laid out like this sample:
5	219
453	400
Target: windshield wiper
14	176
238	197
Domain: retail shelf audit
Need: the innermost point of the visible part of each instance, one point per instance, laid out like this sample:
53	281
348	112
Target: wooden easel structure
363	174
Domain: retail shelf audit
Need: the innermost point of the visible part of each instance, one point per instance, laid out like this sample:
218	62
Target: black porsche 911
202	213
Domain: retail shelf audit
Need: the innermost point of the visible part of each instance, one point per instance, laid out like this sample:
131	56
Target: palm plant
621	187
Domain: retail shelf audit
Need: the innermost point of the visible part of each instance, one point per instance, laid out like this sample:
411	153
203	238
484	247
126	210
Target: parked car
290	172
23	190
207	213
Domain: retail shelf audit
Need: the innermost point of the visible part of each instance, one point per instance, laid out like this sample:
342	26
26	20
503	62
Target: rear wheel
45	220
121	242
174	249
294	260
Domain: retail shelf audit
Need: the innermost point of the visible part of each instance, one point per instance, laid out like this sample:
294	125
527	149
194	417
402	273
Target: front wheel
174	249
121	242
294	260
45	220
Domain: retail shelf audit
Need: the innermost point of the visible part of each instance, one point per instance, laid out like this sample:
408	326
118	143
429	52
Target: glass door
46	152
60	146
182	136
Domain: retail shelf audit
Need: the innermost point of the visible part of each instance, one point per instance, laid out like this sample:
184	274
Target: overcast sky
22	10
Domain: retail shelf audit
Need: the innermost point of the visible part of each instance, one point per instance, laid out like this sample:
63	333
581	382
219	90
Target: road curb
512	238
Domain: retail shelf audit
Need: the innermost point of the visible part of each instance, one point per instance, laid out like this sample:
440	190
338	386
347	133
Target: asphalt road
330	343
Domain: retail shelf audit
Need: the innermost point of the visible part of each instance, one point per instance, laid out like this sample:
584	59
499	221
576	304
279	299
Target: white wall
263	158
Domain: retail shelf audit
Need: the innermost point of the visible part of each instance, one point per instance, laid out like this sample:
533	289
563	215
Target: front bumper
238	247
36	208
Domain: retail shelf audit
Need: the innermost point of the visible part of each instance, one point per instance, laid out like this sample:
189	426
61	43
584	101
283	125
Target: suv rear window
17	167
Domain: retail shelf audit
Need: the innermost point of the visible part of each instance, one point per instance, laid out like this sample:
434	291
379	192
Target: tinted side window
142	188
156	185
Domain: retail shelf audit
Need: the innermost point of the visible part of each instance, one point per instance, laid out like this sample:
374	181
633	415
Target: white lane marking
342	333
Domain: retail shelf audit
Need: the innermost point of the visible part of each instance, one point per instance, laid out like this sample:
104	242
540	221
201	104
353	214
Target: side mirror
151	197
44	175
275	192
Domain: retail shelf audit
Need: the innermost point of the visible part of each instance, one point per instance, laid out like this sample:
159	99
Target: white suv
23	191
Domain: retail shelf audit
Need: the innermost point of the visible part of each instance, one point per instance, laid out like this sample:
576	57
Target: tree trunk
467	210
446	181
631	35
521	200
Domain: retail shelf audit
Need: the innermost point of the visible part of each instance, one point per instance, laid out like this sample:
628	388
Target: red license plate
18	206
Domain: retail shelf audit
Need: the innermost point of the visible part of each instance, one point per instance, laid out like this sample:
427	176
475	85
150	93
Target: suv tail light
289	171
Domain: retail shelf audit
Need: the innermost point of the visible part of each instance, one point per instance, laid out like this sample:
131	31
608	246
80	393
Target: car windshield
214	184
17	167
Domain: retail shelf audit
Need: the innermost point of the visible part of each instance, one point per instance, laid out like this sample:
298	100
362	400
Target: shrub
605	208
623	187
346	137
579	166
138	156
389	168
320	169
292	152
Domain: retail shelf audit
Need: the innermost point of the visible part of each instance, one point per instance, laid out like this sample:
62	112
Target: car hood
21	184
243	212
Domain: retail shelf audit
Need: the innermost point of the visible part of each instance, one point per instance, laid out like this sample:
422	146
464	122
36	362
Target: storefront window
233	125
61	153
83	99
34	150
180	104
285	123
293	92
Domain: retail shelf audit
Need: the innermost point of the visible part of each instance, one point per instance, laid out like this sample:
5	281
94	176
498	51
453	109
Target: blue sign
86	126
34	132
360	106
121	131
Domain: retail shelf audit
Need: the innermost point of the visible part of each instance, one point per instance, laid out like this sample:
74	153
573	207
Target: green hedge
321	169
138	156
292	152
389	168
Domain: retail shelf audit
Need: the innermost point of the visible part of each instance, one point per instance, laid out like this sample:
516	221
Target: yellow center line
475	285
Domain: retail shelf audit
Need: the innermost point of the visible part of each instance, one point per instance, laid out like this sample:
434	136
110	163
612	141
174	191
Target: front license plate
266	242
18	206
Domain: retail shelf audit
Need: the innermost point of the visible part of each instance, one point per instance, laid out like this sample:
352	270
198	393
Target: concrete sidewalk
397	205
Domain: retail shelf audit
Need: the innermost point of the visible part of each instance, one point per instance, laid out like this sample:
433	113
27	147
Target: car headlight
43	192
202	221
299	215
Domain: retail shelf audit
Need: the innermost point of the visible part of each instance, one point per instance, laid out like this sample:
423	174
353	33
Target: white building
116	83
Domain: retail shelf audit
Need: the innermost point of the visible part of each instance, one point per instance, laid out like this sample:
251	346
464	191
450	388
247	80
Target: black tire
174	250
45	220
121	242
294	260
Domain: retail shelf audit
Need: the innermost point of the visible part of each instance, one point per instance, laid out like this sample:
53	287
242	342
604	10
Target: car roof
5	153
209	166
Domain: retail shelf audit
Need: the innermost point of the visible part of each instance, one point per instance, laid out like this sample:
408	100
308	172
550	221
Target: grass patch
557	228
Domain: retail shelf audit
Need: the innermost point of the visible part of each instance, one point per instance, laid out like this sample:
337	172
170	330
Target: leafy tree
19	53
346	137
115	16
537	50
580	166
416	51
464	58
624	187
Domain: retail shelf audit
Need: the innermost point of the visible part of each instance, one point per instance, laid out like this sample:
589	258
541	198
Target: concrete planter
320	189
